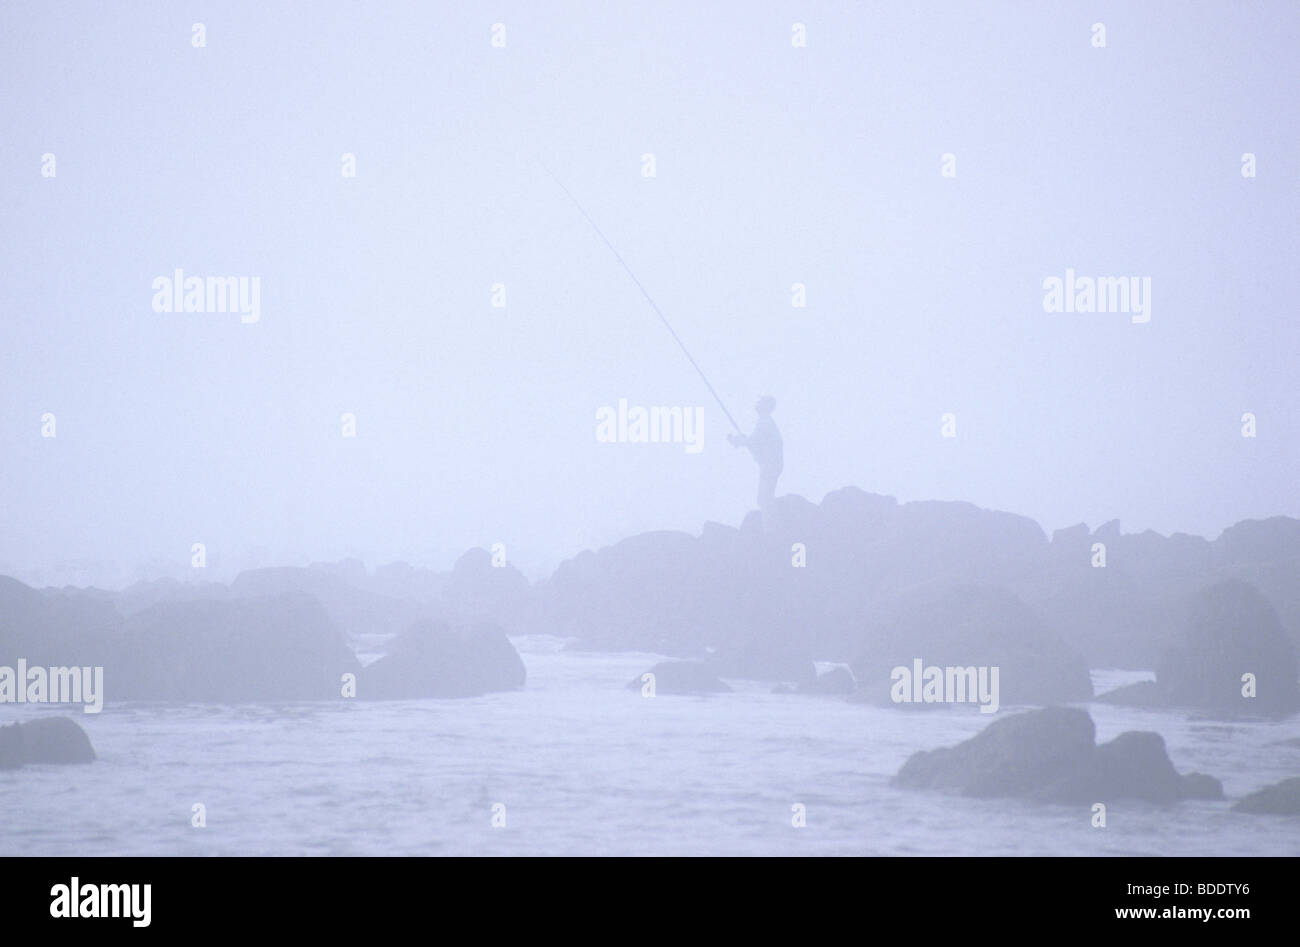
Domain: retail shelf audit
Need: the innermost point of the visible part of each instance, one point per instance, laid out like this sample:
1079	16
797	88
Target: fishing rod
653	305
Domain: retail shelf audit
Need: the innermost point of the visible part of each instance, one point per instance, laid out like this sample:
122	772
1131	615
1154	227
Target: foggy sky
775	165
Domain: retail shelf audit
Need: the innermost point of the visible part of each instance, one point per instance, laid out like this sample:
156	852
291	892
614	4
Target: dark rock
1134	765
1051	755
44	740
1229	630
1268	540
479	591
681	677
353	609
881	584
261	649
1072	538
1107	532
868	556
1015	756
1226	630
434	660
11	747
863	510
52	627
971	627
1201	786
1279	799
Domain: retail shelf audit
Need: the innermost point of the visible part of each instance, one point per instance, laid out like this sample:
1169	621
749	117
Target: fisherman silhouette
768	450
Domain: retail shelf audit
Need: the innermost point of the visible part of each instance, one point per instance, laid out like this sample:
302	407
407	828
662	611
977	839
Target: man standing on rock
768	450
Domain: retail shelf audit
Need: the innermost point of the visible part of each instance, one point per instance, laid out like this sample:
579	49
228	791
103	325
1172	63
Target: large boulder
1266	553
343	591
184	646
282	648
1279	799
824	578
480	591
1051	755
1014	756
659	592
971	627
53	627
1116	611
44	740
1201	786
1134	765
1229	630
433	659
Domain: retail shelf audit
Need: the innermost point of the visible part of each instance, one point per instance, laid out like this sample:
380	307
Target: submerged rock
44	740
1051	755
434	660
1279	799
681	677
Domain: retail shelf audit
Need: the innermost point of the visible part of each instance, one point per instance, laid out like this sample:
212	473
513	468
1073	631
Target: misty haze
573	430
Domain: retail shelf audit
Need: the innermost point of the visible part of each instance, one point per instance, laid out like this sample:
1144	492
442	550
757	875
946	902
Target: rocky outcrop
1134	765
52	627
822	583
267	639
971	627
1226	631
1230	630
1201	786
342	590
263	649
1051	755
1279	799
44	740
433	659
183	649
858	579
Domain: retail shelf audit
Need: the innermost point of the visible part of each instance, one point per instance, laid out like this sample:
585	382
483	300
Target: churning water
585	766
